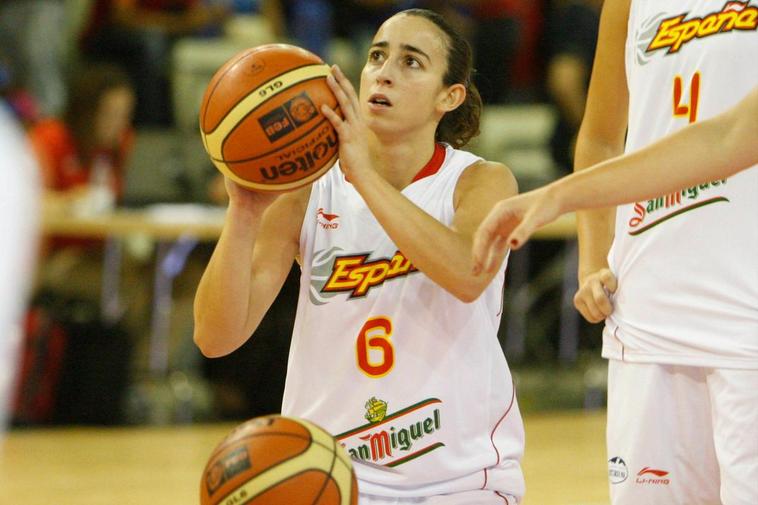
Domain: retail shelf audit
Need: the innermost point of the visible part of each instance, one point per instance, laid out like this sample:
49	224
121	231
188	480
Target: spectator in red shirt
82	157
96	129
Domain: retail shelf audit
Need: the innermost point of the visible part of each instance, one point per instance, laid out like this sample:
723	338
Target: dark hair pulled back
458	126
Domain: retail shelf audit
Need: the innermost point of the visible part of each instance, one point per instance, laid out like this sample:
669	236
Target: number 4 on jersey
689	107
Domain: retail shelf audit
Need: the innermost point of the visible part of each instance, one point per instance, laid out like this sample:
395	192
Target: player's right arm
601	137
252	258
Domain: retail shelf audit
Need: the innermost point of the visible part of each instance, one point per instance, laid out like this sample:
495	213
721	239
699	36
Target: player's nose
385	74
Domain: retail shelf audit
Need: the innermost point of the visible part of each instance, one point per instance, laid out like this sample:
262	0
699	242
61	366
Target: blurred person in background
139	34
83	156
77	346
32	36
570	37
19	192
94	134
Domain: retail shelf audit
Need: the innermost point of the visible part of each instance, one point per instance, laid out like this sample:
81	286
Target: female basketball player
712	149
394	349
681	326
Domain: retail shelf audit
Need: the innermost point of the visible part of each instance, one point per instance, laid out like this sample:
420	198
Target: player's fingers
495	254
602	301
581	307
609	281
483	239
521	233
586	306
518	237
347	86
333	118
341	96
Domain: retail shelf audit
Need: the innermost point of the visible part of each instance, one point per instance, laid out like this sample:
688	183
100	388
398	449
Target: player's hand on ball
354	135
243	198
593	299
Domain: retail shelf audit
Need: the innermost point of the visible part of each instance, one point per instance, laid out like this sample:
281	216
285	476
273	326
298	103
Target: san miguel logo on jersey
656	211
394	439
671	33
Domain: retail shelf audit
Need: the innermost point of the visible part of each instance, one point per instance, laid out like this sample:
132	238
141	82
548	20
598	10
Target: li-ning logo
674	32
289	116
355	274
617	470
652	476
326	220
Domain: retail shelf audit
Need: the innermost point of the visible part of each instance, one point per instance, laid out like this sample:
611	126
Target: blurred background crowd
108	93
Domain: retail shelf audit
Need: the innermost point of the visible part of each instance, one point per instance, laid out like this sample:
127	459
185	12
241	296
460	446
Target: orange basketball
274	460
261	119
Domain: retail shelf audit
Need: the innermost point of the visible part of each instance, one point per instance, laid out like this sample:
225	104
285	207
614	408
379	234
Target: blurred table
160	222
176	228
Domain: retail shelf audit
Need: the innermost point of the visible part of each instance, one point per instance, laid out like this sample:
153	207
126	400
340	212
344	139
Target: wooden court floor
564	463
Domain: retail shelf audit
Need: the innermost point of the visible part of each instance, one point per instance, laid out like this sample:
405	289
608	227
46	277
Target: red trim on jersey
505	498
434	164
492	435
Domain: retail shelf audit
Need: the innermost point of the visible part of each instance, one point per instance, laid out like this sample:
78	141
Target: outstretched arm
712	149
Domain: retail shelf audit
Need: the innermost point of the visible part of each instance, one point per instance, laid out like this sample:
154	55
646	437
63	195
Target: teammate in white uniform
19	199
395	345
682	320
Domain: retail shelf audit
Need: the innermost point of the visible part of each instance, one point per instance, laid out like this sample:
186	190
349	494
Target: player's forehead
404	31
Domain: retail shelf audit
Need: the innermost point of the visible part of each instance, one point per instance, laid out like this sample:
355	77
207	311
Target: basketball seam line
221	78
328	476
231	132
245	160
257	88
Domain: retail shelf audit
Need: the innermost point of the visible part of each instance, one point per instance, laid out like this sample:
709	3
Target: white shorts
682	435
476	497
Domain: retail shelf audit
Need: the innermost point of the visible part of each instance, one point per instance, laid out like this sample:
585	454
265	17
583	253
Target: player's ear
452	97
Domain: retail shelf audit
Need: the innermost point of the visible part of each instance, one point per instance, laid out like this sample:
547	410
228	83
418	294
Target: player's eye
375	55
412	62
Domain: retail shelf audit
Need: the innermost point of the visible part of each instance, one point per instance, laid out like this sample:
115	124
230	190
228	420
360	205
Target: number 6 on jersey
374	350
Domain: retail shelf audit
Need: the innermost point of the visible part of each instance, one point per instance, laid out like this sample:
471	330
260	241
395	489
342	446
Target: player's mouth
378	101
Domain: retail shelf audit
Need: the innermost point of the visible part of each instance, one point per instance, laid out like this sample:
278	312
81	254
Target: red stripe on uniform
434	164
492	435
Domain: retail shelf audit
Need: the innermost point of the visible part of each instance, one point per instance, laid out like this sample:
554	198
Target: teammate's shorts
682	435
477	497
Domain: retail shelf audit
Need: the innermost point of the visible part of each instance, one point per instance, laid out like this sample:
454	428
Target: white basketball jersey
19	222
687	262
412	381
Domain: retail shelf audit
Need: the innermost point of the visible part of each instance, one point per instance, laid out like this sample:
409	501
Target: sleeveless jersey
19	222
687	262
410	380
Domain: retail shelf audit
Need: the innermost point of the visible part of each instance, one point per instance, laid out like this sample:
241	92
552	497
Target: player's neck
401	161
